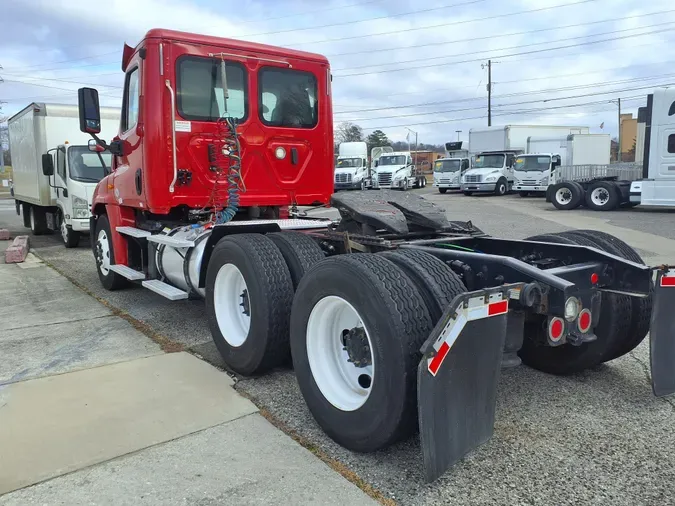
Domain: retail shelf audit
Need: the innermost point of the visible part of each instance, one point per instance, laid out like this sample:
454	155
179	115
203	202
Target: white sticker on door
183	126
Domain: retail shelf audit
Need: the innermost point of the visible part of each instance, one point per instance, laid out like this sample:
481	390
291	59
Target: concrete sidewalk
93	412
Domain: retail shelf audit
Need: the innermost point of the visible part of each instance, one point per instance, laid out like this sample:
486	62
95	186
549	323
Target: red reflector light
585	320
556	328
595	278
668	281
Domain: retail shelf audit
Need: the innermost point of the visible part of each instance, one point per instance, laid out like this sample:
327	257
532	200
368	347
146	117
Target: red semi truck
395	318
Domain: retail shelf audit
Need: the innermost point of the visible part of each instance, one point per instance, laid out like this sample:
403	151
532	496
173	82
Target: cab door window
287	98
61	163
130	105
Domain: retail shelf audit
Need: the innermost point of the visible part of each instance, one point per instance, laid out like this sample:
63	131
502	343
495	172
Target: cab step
165	290
167	240
133	232
127	272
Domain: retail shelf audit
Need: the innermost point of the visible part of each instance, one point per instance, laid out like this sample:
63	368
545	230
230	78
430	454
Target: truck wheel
569	359
501	187
442	190
404	185
641	312
105	256
567	195
468	194
70	238
249	291
524	194
436	281
25	214
603	196
38	221
357	325
300	252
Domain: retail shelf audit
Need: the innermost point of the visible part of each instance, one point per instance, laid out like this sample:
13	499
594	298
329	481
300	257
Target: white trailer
44	136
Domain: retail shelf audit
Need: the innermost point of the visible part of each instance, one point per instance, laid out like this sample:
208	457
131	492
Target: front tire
468	194
38	221
524	194
105	256
501	187
71	239
248	293
362	308
442	190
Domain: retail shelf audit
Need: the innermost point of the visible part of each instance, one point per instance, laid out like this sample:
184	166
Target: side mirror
376	163
93	145
47	165
90	112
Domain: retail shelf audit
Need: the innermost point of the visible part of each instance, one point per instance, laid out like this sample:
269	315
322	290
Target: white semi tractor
535	170
55	173
494	151
396	170
351	168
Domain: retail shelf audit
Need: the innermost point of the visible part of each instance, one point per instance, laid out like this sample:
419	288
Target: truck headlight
544	180
399	176
80	208
491	179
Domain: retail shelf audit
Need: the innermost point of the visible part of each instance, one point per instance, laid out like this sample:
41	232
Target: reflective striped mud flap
662	334
458	375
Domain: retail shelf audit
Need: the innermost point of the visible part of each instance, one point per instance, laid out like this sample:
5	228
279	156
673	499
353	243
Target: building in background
629	128
640	138
424	160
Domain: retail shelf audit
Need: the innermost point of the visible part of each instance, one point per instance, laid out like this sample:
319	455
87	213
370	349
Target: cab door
61	183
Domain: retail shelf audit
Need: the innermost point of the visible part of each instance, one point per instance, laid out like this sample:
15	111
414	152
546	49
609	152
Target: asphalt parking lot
595	438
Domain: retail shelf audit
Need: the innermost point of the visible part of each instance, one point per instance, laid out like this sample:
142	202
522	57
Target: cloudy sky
396	63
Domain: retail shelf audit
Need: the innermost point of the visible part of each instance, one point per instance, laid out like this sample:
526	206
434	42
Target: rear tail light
283	213
556	329
585	320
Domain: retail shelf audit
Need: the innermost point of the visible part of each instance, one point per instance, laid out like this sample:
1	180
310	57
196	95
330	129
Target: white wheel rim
563	196
32	219
104	248
64	230
600	196
232	305
343	384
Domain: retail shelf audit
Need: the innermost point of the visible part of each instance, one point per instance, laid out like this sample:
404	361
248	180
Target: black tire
609	194
641	312
25	214
468	194
502	187
300	252
38	221
397	322
270	293
567	195
17	204
110	280
524	194
442	190
569	359
70	238
436	281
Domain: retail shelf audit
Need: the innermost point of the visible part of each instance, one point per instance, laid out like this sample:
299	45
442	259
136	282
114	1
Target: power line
534	51
494	36
389	16
442	25
58	80
63	61
516	47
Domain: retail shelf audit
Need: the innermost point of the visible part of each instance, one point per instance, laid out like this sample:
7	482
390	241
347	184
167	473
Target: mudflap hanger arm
662	333
458	376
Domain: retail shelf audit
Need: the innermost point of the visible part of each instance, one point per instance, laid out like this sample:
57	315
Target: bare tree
348	132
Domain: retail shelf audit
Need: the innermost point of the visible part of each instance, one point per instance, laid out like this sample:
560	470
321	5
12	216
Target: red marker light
556	328
584	322
595	278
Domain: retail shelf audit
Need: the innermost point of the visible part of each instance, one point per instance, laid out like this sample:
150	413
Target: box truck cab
492	172
534	172
448	173
351	168
55	173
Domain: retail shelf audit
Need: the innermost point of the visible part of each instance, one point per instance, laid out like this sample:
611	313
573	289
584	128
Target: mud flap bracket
662	334
458	376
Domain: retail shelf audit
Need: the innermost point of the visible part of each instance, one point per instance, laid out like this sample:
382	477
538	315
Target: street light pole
413	132
458	132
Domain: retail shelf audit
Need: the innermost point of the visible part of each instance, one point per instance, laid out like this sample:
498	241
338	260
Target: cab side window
465	164
510	160
130	104
61	163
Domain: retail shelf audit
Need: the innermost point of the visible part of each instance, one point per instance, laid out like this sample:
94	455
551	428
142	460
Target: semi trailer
397	320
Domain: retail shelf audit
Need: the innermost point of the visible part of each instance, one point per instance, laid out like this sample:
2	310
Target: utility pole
458	132
489	88
618	156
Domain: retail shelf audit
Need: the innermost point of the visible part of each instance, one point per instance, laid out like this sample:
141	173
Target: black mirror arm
115	147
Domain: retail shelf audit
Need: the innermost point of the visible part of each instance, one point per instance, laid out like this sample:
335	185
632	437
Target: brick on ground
18	251
4	234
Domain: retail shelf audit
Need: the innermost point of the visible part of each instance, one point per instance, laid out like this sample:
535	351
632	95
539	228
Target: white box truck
46	138
351	167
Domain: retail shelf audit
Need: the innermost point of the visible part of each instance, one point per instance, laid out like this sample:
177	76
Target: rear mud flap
458	376
662	334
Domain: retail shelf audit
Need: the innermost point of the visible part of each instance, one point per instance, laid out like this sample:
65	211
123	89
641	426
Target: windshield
85	166
447	165
344	163
489	162
533	163
392	160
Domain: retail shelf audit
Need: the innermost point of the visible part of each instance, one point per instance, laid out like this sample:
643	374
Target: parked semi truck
351	168
604	188
395	318
54	172
397	170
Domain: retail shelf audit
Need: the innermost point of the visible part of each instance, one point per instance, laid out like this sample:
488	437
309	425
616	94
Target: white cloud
43	32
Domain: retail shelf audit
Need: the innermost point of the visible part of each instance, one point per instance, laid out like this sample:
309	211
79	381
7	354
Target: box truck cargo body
514	137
